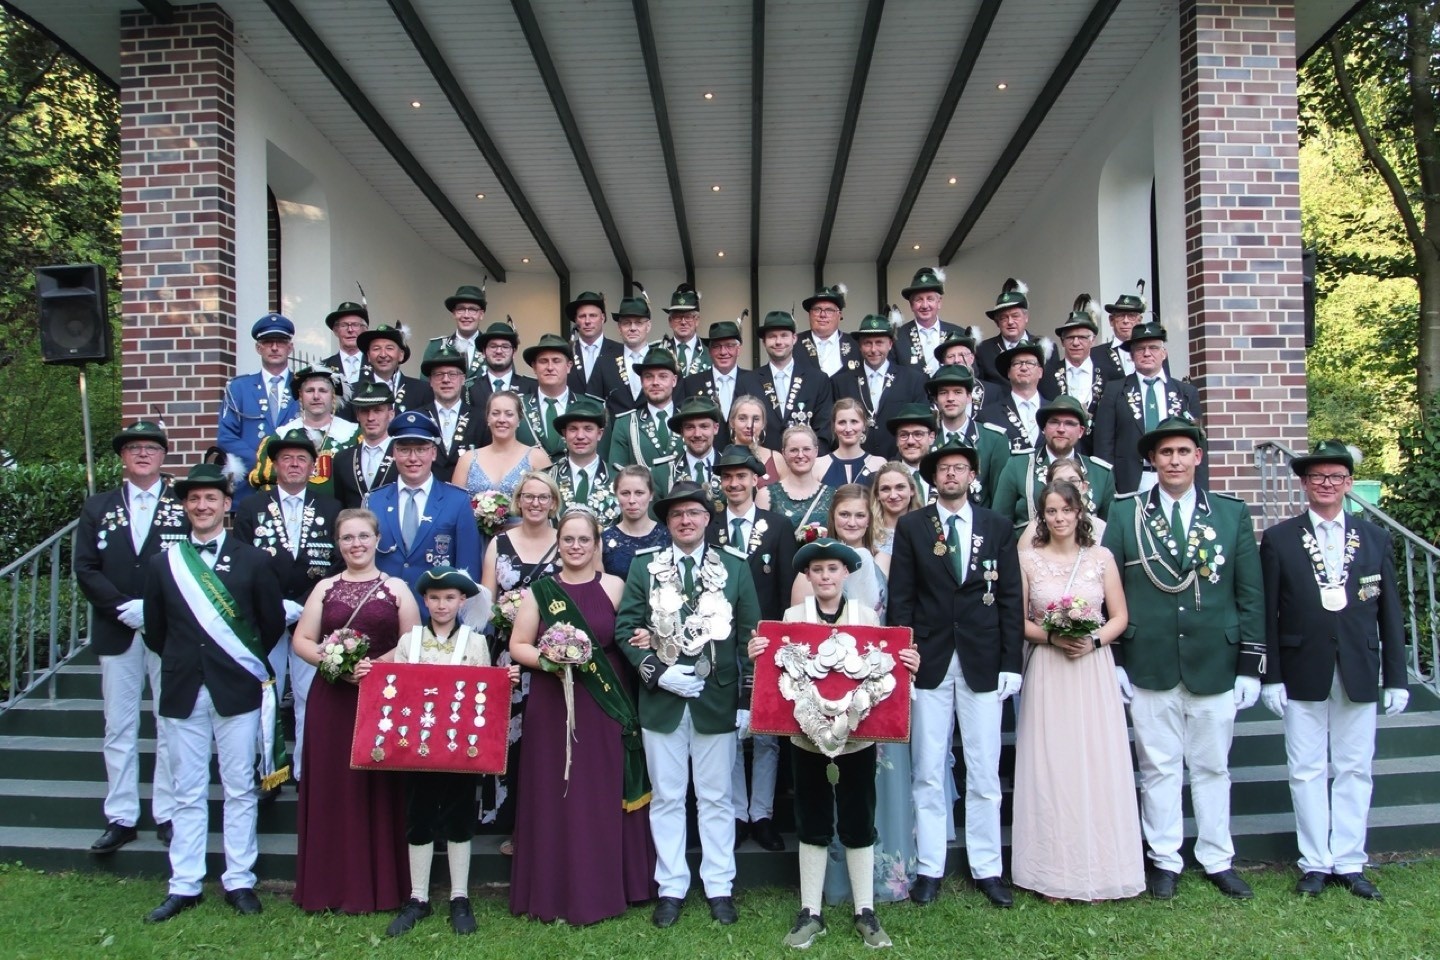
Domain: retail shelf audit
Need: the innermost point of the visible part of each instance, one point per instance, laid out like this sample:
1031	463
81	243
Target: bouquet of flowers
502	614
340	651
492	511
810	532
562	647
1071	617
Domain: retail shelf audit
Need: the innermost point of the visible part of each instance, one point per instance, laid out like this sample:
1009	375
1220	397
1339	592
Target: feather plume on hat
740	320
841	289
1047	347
974	333
1015	286
896	317
641	287
939	274
688	288
234	469
1086	304
1140	288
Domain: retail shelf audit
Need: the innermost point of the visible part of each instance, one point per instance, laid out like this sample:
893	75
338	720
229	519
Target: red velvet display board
771	713
453	708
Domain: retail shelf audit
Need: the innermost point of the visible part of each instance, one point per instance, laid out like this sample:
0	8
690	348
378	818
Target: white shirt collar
877	372
1316	520
1186	501
698	553
453	408
588	469
663	413
1085	365
784	371
424	487
470	340
748	516
691	460
154	489
1159	377
964	513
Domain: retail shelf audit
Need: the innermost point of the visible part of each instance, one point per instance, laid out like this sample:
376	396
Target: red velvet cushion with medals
420	716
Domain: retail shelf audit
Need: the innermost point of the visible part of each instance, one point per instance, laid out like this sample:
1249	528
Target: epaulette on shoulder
736	553
622	415
1126	496
668	458
1227	496
649	550
996	427
1104	463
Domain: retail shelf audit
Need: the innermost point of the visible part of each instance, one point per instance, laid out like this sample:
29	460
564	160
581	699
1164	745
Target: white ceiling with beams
704	47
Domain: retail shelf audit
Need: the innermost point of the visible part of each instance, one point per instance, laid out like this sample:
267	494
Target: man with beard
642	435
724	381
696	422
683	340
824	344
598	359
1017	489
914	429
794	393
1011	314
916	340
880	385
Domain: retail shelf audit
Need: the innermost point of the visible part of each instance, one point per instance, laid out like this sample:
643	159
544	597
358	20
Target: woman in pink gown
1076	830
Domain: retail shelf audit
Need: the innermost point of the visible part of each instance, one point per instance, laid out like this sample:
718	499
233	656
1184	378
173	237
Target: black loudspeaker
74	317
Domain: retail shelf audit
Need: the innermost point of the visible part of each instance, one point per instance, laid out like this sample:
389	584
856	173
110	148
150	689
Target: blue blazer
447	534
246	419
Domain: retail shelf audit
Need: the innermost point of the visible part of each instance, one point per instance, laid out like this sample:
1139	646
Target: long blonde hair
877	510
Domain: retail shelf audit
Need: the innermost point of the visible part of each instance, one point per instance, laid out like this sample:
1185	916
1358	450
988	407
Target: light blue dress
477	481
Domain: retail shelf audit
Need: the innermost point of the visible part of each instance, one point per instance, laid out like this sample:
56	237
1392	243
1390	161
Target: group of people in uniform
1307	621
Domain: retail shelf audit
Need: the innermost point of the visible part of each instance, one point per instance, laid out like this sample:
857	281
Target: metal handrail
1282	496
46	630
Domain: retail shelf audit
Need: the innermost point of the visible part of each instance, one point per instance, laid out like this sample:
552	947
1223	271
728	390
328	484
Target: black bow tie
212	547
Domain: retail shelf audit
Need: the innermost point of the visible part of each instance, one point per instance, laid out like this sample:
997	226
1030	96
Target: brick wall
177	157
1242	230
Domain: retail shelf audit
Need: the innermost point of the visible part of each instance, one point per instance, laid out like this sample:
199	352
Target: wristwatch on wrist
1097	641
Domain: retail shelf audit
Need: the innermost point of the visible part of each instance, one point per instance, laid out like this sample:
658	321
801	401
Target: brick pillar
177	161
1242	230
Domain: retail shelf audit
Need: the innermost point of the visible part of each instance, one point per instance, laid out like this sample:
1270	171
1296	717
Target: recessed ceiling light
715	188
709	95
1001	86
479	196
952	181
915	247
720	254
524	259
415	104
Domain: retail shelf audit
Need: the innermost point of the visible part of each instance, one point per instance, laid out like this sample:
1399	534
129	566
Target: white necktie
447	425
877	386
141	514
275	405
1330	544
782	390
372	463
727	393
293	507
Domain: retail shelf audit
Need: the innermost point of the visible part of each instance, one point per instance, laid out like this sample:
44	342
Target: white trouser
1330	821
670	757
764	764
122	685
933	718
1175	729
235	742
302	675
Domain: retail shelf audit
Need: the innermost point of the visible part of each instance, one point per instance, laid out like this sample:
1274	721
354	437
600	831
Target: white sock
812	876
860	864
459	856
421	856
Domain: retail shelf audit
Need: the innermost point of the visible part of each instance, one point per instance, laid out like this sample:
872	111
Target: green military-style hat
498	331
1170	427
1033	347
1064	403
1083	314
583	409
397	335
588	297
951	375
147	430
1154	330
1325	451
636	306
370	393
202	476
737	457
1013	293
926	279
296	439
826	549
694	409
550	342
316	371
684	491
874	325
916	413
776	320
658	358
442	353
835	295
959	339
468	293
685	299
726	329
447	578
347	309
950	448
1129	302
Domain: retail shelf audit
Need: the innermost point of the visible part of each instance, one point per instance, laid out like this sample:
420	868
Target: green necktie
499	385
953	542
1152	405
689	563
737	532
700	472
582	488
550	417
683	353
1177	526
662	431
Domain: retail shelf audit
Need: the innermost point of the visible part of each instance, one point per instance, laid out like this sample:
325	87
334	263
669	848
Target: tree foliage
59	203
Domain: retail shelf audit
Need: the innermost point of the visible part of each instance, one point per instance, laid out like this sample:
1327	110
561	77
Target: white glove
742	724
1127	689
1247	692
681	681
292	612
132	613
1273	694
1396	700
1009	685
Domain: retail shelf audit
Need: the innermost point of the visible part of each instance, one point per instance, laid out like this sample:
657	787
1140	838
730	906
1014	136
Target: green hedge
38	499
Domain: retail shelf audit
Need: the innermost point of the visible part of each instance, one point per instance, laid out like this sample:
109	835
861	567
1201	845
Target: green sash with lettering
603	685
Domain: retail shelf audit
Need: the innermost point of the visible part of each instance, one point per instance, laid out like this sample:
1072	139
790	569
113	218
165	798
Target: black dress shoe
1357	885
412	913
767	836
165	832
742	830
462	918
172	907
1312	884
268	797
925	889
1162	883
1229	883
667	911
722	910
996	892
116	835
244	901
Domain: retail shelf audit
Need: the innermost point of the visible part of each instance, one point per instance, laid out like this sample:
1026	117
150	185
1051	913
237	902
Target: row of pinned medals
427	721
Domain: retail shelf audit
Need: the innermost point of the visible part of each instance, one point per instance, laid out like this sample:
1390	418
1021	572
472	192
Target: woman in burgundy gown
351	856
580	855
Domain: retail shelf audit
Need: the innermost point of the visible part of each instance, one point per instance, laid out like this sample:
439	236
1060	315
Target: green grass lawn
94	916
